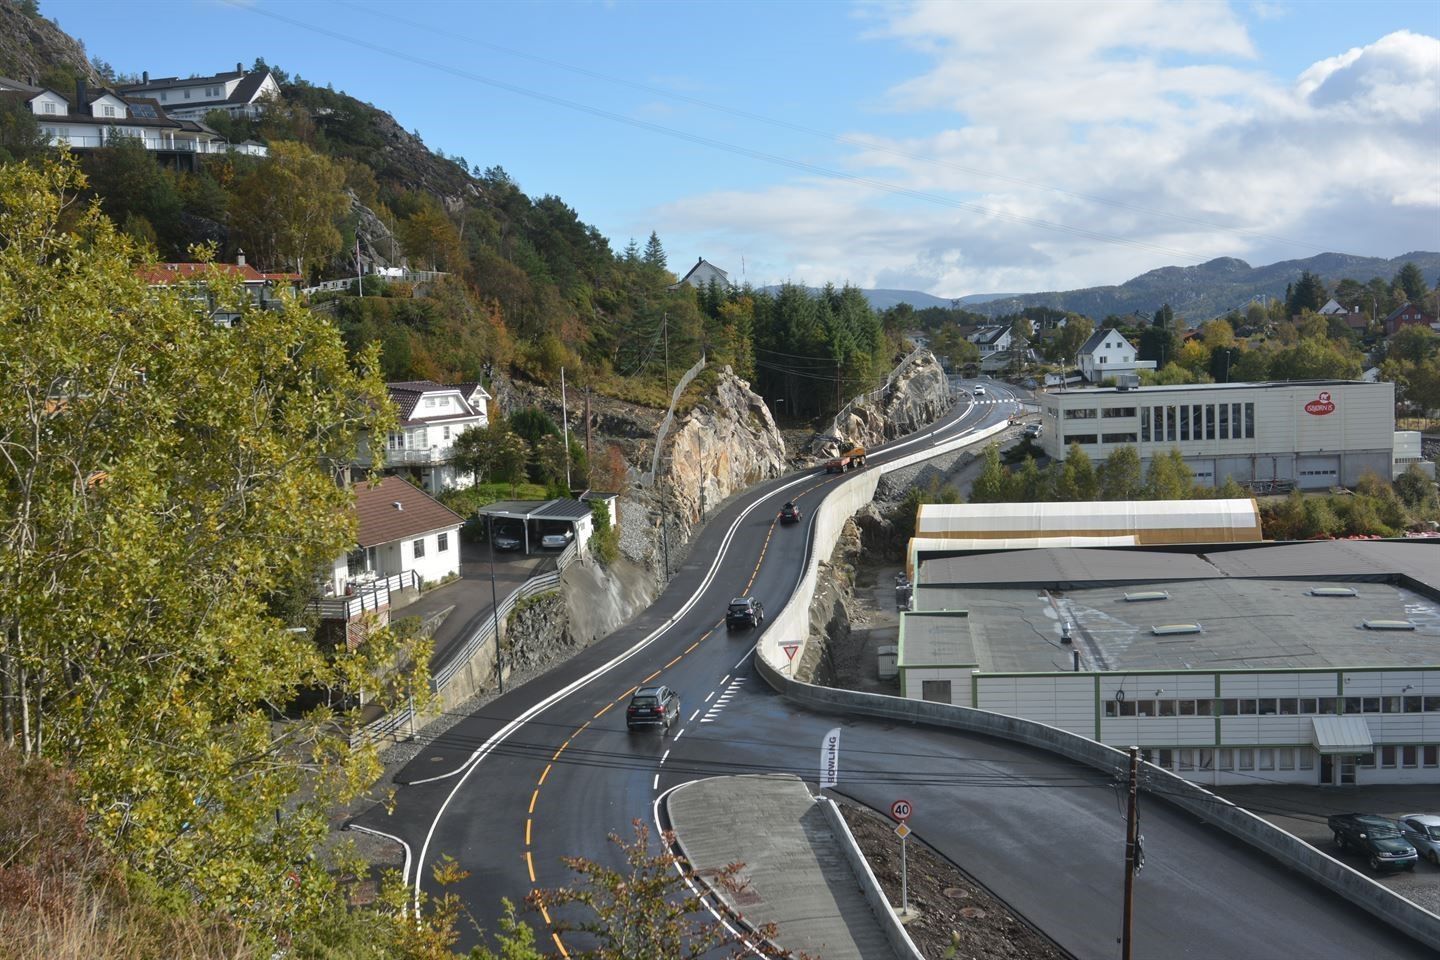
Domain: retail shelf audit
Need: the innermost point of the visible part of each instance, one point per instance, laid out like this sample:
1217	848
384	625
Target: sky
953	148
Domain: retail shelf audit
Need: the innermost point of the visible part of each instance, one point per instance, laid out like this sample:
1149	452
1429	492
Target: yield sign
790	649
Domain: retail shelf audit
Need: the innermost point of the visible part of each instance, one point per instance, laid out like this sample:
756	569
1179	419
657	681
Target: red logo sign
1321	405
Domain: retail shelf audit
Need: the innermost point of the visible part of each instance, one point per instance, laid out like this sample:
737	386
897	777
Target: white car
557	541
979	391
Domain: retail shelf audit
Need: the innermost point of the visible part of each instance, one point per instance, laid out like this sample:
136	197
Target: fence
346	283
372	596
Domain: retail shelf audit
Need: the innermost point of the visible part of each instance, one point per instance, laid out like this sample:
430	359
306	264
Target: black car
790	513
657	706
1379	837
744	612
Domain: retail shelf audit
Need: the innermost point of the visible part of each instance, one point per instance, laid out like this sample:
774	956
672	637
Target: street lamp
494	603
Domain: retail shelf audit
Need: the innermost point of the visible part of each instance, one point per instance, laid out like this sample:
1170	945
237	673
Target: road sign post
790	649
901	810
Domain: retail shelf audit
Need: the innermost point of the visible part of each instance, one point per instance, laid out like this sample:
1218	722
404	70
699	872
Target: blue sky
947	147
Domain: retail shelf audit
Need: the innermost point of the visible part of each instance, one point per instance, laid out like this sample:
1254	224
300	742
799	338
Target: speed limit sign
900	810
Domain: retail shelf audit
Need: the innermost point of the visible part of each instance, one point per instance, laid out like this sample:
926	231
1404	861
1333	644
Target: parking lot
1302	810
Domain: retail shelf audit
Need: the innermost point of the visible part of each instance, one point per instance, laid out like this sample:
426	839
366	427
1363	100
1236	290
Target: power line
775	159
838	138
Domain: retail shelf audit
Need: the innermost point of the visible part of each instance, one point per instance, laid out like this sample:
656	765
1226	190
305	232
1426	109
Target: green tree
161	477
1414	343
1071	337
1164	317
1308	294
993	484
430	239
654	256
1315	359
1412	283
286	210
1030	484
1417	491
1169	477
950	345
20	135
1120	475
1079	480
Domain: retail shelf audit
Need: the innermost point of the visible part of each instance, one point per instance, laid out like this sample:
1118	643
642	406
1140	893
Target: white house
702	274
263	288
993	339
240	92
1107	354
97	118
432	416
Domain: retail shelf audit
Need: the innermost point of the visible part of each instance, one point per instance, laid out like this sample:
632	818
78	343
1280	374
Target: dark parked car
657	706
1377	836
744	612
790	513
507	539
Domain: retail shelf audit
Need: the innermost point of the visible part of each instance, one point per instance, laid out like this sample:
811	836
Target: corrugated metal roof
1033	519
1332	735
563	509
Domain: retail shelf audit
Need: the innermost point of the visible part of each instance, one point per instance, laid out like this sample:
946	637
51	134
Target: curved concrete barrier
792	625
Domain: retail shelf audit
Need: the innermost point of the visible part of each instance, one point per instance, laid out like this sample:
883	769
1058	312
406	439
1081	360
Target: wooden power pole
1132	855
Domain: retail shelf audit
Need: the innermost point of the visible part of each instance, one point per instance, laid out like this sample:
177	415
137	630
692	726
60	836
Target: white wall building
991	340
1313	434
1107	354
1312	663
401	530
432	416
702	275
239	92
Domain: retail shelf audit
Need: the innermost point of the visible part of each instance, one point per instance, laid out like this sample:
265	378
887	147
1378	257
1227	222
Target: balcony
423	457
363	596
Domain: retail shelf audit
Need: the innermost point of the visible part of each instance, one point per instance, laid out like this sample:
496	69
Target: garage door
1317	473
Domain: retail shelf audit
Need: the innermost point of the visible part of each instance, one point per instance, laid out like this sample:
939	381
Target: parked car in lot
744	612
657	706
790	513
507	539
1032	430
1377	836
557	540
1422	830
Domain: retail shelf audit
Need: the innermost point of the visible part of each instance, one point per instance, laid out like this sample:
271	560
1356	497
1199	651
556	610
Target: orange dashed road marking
530	865
564	745
528	821
533	797
603	709
543	774
563	952
651	677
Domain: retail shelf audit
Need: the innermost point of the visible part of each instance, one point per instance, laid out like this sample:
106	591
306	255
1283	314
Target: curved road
548	770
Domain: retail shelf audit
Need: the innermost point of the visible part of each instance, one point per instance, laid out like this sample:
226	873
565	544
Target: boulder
916	394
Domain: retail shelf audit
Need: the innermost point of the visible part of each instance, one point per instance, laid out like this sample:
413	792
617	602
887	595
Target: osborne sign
1320	405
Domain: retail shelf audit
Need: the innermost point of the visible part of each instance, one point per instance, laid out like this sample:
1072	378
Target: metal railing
345	283
157	144
367	597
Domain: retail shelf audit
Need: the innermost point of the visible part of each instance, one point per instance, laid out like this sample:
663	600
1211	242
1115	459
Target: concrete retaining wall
869	885
1289	849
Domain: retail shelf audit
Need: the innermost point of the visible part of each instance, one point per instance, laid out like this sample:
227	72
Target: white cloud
1149	122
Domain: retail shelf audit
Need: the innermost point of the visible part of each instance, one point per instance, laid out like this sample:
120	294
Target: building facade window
418	548
936	691
1080	438
442	542
1145	424
1080	414
1118	438
1112	413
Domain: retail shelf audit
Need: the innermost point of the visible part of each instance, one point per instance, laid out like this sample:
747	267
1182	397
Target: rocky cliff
33	49
725	443
916	394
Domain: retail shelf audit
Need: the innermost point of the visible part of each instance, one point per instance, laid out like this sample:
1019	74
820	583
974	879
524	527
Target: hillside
31	46
1210	289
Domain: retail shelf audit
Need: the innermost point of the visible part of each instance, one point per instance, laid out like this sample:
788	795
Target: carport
538	516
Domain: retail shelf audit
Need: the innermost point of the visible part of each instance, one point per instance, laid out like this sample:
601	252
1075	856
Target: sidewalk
798	876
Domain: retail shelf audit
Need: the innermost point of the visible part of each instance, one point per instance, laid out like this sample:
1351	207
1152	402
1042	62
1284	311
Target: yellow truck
849	460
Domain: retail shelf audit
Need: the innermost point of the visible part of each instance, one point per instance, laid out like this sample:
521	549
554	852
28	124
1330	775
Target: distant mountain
885	299
1208	290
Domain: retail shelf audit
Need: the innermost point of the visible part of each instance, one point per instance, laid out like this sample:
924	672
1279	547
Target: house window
108	111
430	402
419	548
1249	421
355	562
1409	756
1224	421
446	432
442	542
49	107
187	94
936	691
1387	757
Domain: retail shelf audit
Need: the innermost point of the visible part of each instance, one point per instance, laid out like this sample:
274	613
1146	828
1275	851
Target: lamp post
494	603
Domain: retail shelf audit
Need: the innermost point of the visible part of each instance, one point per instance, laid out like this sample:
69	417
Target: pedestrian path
798	876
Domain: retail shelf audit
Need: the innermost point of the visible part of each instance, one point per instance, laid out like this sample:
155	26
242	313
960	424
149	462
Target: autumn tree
162	477
287	209
431	240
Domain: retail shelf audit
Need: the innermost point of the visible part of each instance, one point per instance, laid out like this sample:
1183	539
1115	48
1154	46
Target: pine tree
654	252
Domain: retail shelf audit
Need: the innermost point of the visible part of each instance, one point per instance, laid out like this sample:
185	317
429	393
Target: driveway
469	598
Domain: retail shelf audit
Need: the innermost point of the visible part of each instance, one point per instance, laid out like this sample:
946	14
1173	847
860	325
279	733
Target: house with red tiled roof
432	416
405	540
264	288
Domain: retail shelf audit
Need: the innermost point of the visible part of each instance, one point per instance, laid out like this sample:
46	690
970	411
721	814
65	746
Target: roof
165	83
1332	735
418	512
989	334
563	509
1185	387
1210	520
407	394
936	640
8	84
1097	338
180	272
702	262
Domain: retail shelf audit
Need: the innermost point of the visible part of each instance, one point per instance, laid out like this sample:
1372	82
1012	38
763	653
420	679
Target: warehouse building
1302	663
1310	434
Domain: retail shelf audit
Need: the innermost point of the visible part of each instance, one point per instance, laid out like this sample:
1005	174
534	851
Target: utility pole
1132	855
565	421
589	455
495	604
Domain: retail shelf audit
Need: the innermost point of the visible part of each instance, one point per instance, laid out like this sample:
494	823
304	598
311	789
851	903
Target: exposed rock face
916	394
29	45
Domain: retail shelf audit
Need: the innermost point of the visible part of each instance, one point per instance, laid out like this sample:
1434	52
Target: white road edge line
405	870
694	715
663	757
504	733
709	695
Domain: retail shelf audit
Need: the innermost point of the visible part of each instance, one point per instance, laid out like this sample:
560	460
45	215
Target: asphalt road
549	770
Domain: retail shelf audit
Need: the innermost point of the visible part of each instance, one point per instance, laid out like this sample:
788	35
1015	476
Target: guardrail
792	625
370	596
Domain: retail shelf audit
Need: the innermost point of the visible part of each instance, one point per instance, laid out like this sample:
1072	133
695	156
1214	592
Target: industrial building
1242	663
1310	434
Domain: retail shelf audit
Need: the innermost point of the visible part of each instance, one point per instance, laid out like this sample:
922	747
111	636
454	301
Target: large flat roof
1235	518
1253	606
1187	387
